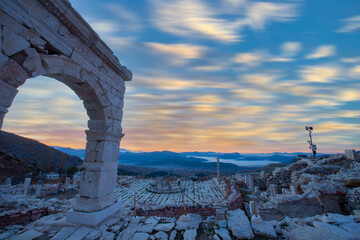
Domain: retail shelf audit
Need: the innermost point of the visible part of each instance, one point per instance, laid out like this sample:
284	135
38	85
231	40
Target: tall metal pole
218	170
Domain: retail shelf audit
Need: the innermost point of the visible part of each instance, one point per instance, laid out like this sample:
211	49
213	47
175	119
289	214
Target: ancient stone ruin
49	38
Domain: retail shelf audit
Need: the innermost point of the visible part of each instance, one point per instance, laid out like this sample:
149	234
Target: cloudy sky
222	75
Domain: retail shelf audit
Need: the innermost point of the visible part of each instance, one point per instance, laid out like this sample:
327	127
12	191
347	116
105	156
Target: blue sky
225	75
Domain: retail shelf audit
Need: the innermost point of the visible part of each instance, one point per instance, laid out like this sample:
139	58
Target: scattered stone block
94	235
188	221
239	224
263	228
190	234
166	227
161	235
80	233
26	185
336	219
30	234
140	236
351	154
172	235
7	182
129	232
64	233
13	42
107	236
334	230
353	228
223	233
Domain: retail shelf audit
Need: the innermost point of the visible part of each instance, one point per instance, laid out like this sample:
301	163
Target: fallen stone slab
188	221
140	236
223	233
172	235
30	234
239	224
263	228
64	233
166	227
107	236
147	228
161	235
307	233
353	228
334	230
128	233
94	234
190	234
80	233
336	219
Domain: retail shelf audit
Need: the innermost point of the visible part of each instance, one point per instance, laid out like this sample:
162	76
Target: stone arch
65	48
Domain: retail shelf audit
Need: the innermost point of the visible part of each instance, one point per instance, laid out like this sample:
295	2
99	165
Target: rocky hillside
36	153
13	167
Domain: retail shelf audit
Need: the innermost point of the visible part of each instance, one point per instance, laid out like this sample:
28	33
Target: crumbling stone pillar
99	180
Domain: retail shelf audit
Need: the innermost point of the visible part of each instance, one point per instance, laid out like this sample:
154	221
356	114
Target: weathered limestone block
13	42
9	22
351	154
97	184
239	224
7	95
34	39
13	74
3	58
33	64
101	151
17	11
83	204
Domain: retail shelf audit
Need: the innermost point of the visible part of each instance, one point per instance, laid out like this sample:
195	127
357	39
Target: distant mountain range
196	161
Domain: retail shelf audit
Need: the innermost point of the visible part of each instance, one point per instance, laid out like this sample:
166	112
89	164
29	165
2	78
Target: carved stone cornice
68	16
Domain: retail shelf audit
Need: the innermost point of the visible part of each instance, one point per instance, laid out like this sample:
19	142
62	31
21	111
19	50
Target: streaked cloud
320	73
225	75
178	53
350	24
290	49
260	13
196	18
322	51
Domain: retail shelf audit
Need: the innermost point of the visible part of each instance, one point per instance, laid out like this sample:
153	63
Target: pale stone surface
31	234
190	234
172	235
333	230
140	236
13	43
337	219
26	185
353	228
92	218
351	154
161	235
129	232
64	233
223	233
7	95
188	221
166	227
12	73
263	228
239	224
107	236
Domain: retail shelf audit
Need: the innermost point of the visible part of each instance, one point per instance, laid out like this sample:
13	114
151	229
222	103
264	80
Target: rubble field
308	199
